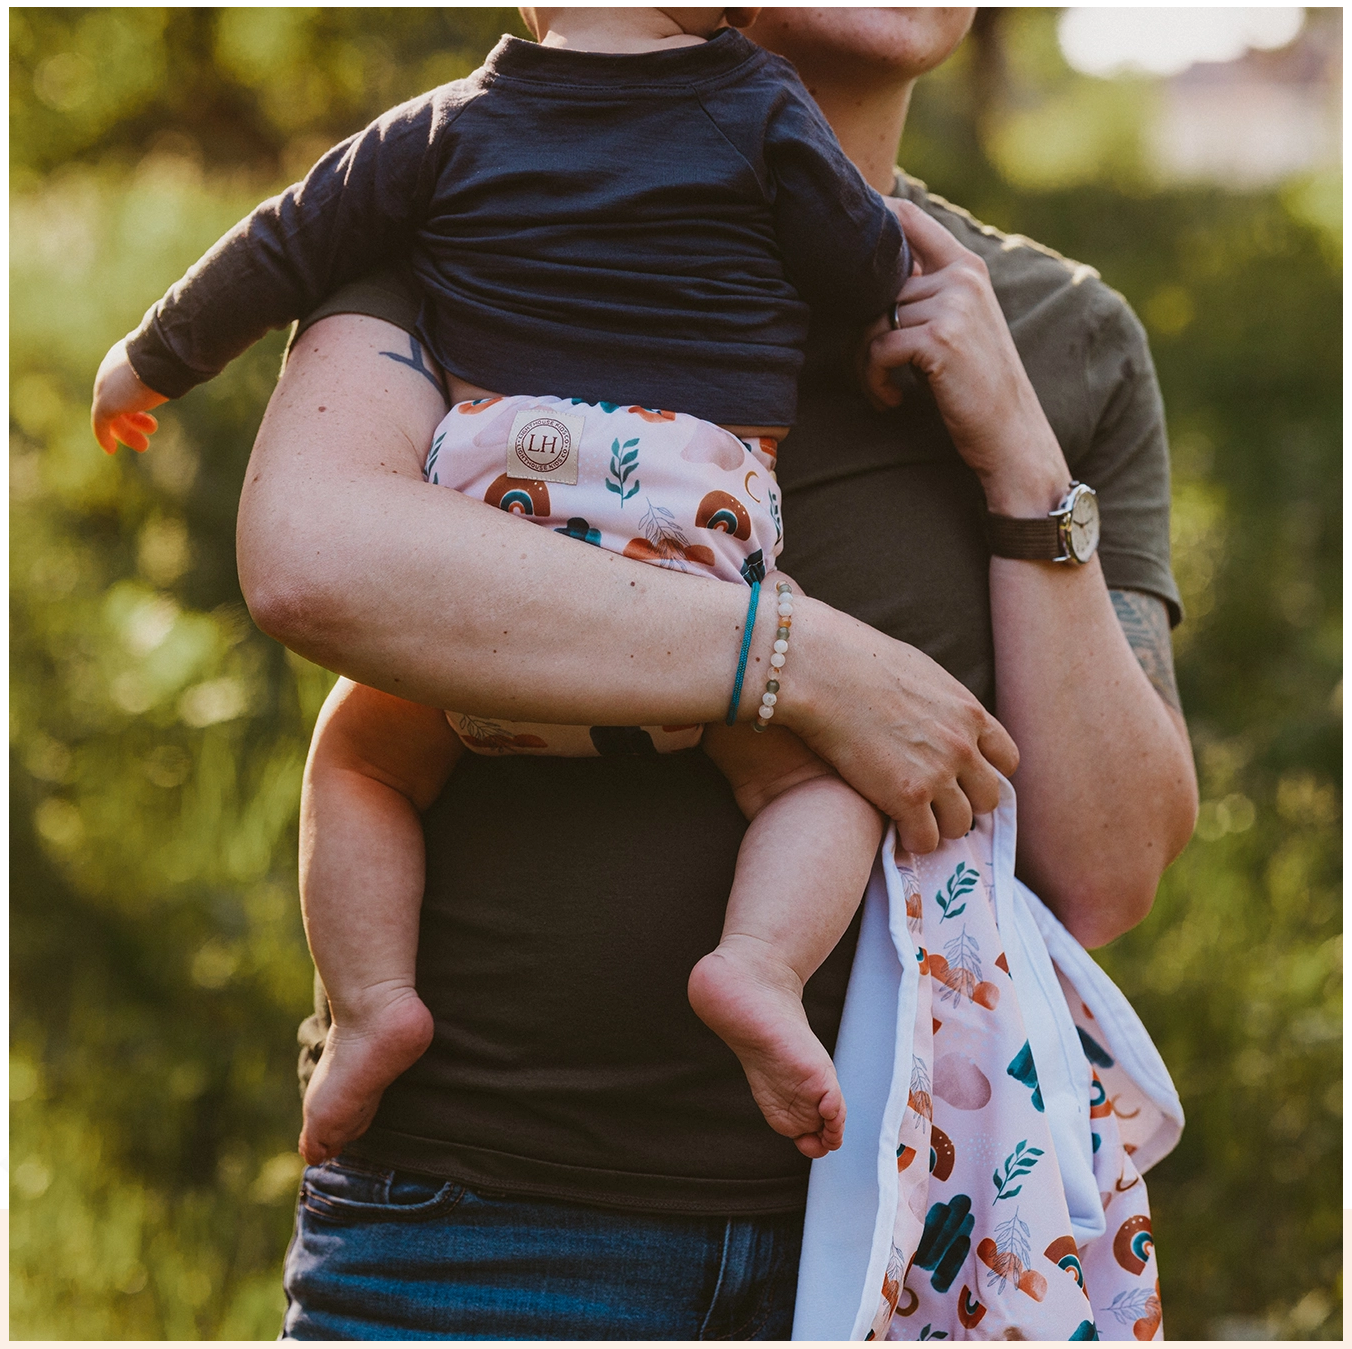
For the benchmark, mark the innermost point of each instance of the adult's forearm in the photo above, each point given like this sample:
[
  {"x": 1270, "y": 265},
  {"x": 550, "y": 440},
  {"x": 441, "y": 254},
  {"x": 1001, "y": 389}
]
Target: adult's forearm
[
  {"x": 349, "y": 558},
  {"x": 1107, "y": 795},
  {"x": 1106, "y": 787}
]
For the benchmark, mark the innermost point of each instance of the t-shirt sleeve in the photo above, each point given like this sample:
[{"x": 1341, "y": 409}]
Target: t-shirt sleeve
[
  {"x": 355, "y": 209},
  {"x": 1127, "y": 459},
  {"x": 843, "y": 250}
]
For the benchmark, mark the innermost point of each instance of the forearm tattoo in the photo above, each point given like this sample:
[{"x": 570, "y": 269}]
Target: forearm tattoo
[
  {"x": 414, "y": 360},
  {"x": 1145, "y": 620}
]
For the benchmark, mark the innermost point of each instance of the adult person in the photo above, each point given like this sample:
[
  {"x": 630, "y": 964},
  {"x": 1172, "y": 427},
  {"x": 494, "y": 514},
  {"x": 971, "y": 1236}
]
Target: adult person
[{"x": 576, "y": 1157}]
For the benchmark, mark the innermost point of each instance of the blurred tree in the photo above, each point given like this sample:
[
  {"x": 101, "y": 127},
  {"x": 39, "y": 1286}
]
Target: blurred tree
[
  {"x": 158, "y": 967},
  {"x": 267, "y": 88}
]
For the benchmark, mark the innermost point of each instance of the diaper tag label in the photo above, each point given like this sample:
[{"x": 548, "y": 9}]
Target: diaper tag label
[{"x": 544, "y": 445}]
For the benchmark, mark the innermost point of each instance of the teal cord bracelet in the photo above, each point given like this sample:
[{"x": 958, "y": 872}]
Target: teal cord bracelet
[{"x": 746, "y": 651}]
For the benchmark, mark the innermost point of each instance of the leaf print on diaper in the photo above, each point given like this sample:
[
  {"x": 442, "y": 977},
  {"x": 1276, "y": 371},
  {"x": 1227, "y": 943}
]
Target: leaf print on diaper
[
  {"x": 623, "y": 463},
  {"x": 1007, "y": 1258},
  {"x": 962, "y": 882},
  {"x": 1140, "y": 1308},
  {"x": 653, "y": 414},
  {"x": 959, "y": 970},
  {"x": 430, "y": 468},
  {"x": 491, "y": 735},
  {"x": 1017, "y": 1165},
  {"x": 919, "y": 1099},
  {"x": 664, "y": 542},
  {"x": 910, "y": 887}
]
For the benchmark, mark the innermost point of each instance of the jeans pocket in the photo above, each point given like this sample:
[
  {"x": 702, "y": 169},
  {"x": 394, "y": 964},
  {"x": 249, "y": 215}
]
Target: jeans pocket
[{"x": 349, "y": 1191}]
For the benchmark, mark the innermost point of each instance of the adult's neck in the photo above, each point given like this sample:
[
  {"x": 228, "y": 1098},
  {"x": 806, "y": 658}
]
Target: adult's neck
[{"x": 868, "y": 122}]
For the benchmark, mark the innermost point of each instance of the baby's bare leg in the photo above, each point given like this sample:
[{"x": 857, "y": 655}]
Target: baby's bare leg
[
  {"x": 801, "y": 871},
  {"x": 375, "y": 761}
]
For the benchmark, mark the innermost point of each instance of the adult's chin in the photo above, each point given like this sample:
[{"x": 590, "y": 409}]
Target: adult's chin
[{"x": 864, "y": 43}]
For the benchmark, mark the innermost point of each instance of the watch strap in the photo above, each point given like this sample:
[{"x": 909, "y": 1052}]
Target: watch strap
[{"x": 1036, "y": 540}]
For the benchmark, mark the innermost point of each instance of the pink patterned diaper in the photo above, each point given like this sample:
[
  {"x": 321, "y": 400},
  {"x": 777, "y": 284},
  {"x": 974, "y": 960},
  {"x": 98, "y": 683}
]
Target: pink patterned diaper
[{"x": 659, "y": 487}]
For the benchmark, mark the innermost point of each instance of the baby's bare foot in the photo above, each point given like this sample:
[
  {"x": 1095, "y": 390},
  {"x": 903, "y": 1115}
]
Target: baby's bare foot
[
  {"x": 362, "y": 1056},
  {"x": 753, "y": 1001}
]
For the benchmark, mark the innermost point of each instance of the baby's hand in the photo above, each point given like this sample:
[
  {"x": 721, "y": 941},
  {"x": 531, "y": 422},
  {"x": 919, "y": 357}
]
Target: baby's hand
[{"x": 122, "y": 403}]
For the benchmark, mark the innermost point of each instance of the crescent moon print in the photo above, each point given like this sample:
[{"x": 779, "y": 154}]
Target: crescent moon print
[{"x": 746, "y": 484}]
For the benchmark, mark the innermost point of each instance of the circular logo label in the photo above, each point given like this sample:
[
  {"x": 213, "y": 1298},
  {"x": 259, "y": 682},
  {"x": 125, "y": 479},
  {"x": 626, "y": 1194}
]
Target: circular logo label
[{"x": 543, "y": 444}]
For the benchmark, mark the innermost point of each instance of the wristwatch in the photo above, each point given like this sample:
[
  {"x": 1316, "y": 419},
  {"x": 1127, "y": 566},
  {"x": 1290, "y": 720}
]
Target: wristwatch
[{"x": 1070, "y": 533}]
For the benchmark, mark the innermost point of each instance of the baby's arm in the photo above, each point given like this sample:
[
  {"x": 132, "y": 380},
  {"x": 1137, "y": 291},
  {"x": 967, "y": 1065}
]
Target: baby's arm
[
  {"x": 356, "y": 209},
  {"x": 375, "y": 762}
]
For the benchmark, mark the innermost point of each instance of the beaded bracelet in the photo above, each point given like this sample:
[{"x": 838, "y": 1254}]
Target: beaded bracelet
[{"x": 784, "y": 596}]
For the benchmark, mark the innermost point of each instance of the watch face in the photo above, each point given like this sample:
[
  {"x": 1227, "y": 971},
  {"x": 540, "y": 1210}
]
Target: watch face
[{"x": 1082, "y": 532}]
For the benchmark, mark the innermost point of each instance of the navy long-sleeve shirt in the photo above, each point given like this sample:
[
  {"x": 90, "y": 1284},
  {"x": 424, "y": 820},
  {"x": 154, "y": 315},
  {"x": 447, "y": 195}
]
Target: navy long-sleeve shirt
[{"x": 646, "y": 228}]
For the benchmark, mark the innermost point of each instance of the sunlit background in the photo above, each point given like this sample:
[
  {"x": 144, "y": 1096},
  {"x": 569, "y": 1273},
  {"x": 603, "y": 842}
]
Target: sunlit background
[{"x": 158, "y": 967}]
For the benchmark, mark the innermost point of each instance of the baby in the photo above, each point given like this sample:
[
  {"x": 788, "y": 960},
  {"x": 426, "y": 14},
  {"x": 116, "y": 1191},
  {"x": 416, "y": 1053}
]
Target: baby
[{"x": 631, "y": 215}]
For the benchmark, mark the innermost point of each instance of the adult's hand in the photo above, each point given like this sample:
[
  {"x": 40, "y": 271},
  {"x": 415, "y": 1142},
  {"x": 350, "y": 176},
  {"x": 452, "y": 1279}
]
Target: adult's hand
[
  {"x": 951, "y": 327},
  {"x": 897, "y": 726}
]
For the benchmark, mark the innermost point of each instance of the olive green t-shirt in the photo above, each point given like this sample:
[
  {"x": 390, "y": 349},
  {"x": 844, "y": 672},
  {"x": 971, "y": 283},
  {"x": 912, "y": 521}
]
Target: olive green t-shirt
[{"x": 567, "y": 1062}]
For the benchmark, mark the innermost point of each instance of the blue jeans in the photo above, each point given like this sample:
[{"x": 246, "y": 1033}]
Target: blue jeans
[{"x": 395, "y": 1255}]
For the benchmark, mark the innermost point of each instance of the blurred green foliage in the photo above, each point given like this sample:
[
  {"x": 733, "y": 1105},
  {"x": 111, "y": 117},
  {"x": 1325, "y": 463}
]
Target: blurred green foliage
[{"x": 158, "y": 966}]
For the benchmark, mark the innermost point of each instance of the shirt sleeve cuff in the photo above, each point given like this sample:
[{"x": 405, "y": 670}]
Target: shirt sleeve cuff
[{"x": 156, "y": 366}]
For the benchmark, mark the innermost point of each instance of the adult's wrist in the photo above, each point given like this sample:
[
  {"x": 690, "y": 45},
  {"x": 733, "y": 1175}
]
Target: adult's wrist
[
  {"x": 1030, "y": 483},
  {"x": 807, "y": 664},
  {"x": 1019, "y": 461}
]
